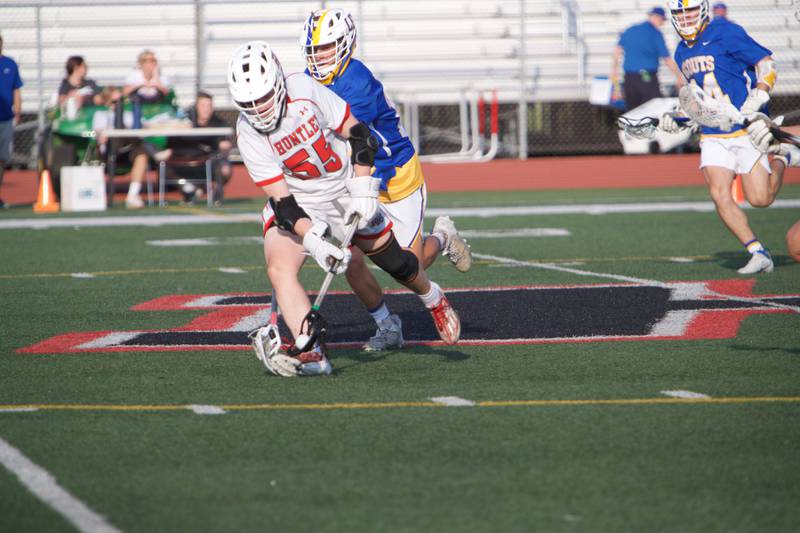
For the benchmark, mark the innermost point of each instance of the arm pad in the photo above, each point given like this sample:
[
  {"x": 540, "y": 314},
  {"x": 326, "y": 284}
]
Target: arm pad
[
  {"x": 766, "y": 72},
  {"x": 363, "y": 144},
  {"x": 287, "y": 212}
]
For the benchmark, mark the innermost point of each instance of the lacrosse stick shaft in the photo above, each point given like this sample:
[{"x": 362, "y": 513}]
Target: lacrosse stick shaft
[{"x": 326, "y": 283}]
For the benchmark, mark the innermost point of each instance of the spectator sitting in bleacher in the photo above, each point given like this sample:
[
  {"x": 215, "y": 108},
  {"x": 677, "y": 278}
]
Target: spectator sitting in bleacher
[
  {"x": 146, "y": 81},
  {"x": 202, "y": 115},
  {"x": 643, "y": 46},
  {"x": 720, "y": 10},
  {"x": 76, "y": 86}
]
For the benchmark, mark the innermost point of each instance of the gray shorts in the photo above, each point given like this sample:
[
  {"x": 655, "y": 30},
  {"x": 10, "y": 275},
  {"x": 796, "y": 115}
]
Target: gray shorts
[{"x": 6, "y": 139}]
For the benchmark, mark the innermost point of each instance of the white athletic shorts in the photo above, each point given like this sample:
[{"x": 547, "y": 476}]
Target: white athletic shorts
[
  {"x": 735, "y": 153},
  {"x": 407, "y": 215},
  {"x": 332, "y": 212}
]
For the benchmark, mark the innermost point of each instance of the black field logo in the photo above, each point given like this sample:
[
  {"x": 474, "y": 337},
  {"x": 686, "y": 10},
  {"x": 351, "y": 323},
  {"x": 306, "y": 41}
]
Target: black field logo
[{"x": 489, "y": 316}]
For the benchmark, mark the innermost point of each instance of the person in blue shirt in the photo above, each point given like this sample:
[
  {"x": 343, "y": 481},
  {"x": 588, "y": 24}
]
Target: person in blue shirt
[
  {"x": 10, "y": 108},
  {"x": 328, "y": 42},
  {"x": 642, "y": 46},
  {"x": 721, "y": 58}
]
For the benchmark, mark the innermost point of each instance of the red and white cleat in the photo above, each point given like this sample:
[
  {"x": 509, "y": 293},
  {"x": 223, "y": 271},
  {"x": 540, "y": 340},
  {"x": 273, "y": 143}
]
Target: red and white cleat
[
  {"x": 314, "y": 363},
  {"x": 446, "y": 320}
]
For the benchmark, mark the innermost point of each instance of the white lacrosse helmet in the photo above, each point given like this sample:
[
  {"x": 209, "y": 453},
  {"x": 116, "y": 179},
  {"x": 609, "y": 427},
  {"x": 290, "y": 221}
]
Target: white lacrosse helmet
[
  {"x": 257, "y": 85},
  {"x": 689, "y": 17},
  {"x": 328, "y": 41}
]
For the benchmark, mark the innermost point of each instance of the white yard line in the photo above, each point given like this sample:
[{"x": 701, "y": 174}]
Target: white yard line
[
  {"x": 480, "y": 212},
  {"x": 19, "y": 410},
  {"x": 231, "y": 270},
  {"x": 687, "y": 394},
  {"x": 206, "y": 409},
  {"x": 629, "y": 279},
  {"x": 452, "y": 401},
  {"x": 44, "y": 486},
  {"x": 82, "y": 275}
]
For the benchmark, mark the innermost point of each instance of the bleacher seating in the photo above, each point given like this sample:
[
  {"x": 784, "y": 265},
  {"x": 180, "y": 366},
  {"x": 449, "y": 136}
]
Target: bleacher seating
[{"x": 431, "y": 50}]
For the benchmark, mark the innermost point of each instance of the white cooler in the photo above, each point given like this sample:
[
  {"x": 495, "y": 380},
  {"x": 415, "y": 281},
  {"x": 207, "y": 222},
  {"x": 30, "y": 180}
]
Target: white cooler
[{"x": 83, "y": 188}]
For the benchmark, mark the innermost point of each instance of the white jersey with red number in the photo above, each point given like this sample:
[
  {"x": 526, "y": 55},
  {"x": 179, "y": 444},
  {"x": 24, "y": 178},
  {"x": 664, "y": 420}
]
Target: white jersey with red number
[{"x": 304, "y": 149}]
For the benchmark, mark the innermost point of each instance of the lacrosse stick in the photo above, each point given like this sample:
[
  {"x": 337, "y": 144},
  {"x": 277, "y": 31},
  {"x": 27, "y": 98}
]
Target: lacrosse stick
[
  {"x": 314, "y": 327},
  {"x": 266, "y": 342},
  {"x": 645, "y": 127},
  {"x": 717, "y": 113}
]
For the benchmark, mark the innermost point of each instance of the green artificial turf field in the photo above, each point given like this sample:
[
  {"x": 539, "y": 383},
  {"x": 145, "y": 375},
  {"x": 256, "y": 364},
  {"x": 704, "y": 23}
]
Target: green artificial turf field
[{"x": 570, "y": 424}]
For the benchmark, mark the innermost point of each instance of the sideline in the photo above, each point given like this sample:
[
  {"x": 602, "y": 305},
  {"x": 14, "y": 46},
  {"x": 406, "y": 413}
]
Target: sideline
[
  {"x": 480, "y": 212},
  {"x": 45, "y": 487}
]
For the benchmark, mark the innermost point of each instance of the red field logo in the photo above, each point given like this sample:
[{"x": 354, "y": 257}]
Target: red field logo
[{"x": 490, "y": 316}]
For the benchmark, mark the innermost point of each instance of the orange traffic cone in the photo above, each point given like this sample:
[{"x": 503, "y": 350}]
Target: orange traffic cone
[
  {"x": 736, "y": 190},
  {"x": 47, "y": 201}
]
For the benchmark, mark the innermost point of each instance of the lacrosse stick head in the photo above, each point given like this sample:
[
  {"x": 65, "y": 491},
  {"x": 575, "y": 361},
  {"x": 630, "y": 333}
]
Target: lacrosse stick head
[
  {"x": 266, "y": 342},
  {"x": 638, "y": 128},
  {"x": 312, "y": 331},
  {"x": 706, "y": 110}
]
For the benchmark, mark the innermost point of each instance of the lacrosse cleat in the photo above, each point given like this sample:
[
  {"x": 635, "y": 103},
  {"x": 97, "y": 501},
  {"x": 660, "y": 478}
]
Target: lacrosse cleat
[
  {"x": 389, "y": 336},
  {"x": 789, "y": 154},
  {"x": 446, "y": 320},
  {"x": 314, "y": 363},
  {"x": 456, "y": 249},
  {"x": 760, "y": 261}
]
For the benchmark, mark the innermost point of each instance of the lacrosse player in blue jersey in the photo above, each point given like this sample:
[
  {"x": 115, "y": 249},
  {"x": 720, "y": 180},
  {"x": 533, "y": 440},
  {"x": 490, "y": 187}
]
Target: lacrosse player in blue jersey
[
  {"x": 722, "y": 59},
  {"x": 328, "y": 41}
]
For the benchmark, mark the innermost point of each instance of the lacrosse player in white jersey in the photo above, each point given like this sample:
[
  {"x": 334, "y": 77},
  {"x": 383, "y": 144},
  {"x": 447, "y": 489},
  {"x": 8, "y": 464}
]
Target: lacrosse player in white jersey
[{"x": 293, "y": 135}]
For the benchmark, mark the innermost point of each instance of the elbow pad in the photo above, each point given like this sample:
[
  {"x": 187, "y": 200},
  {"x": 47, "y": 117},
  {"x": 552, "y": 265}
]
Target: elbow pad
[
  {"x": 363, "y": 144},
  {"x": 287, "y": 212},
  {"x": 766, "y": 72}
]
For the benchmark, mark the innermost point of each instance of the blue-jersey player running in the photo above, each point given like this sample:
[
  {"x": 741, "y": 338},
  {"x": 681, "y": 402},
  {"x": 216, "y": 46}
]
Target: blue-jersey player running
[
  {"x": 728, "y": 64},
  {"x": 328, "y": 42}
]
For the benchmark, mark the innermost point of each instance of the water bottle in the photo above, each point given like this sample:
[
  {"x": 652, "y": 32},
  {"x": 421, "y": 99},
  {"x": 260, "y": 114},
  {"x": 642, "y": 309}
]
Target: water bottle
[{"x": 137, "y": 112}]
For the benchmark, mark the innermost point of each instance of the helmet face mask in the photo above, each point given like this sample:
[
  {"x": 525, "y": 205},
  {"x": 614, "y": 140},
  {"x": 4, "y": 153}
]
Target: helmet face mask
[
  {"x": 328, "y": 41},
  {"x": 257, "y": 85},
  {"x": 689, "y": 18}
]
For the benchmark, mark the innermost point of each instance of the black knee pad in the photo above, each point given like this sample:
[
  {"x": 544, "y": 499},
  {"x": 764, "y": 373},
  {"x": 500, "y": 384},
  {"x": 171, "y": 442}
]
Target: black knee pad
[{"x": 401, "y": 264}]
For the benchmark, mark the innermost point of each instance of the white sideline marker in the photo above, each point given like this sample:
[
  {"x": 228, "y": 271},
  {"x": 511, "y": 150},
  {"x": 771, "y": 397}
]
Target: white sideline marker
[
  {"x": 452, "y": 401},
  {"x": 19, "y": 410},
  {"x": 685, "y": 394},
  {"x": 232, "y": 270},
  {"x": 681, "y": 259},
  {"x": 44, "y": 486},
  {"x": 82, "y": 275},
  {"x": 207, "y": 409}
]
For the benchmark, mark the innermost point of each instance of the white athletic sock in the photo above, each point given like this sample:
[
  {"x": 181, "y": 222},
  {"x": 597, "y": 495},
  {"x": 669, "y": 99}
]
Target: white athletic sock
[
  {"x": 380, "y": 313},
  {"x": 754, "y": 246},
  {"x": 433, "y": 296},
  {"x": 442, "y": 238},
  {"x": 134, "y": 189}
]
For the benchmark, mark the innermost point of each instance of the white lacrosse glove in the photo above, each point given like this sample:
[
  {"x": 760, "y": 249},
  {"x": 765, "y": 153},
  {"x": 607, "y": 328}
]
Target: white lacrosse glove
[
  {"x": 668, "y": 123},
  {"x": 364, "y": 199},
  {"x": 325, "y": 253},
  {"x": 266, "y": 343},
  {"x": 760, "y": 134},
  {"x": 755, "y": 100}
]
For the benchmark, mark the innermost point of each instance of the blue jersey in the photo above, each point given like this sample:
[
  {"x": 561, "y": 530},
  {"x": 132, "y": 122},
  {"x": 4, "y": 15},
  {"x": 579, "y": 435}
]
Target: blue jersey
[
  {"x": 364, "y": 93},
  {"x": 9, "y": 82},
  {"x": 644, "y": 46},
  {"x": 722, "y": 62}
]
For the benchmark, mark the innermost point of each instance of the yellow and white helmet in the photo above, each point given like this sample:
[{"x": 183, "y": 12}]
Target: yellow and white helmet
[
  {"x": 257, "y": 85},
  {"x": 328, "y": 42},
  {"x": 689, "y": 17}
]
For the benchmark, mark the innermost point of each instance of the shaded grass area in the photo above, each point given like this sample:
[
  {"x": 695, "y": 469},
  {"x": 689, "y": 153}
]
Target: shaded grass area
[{"x": 670, "y": 467}]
